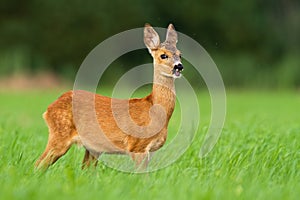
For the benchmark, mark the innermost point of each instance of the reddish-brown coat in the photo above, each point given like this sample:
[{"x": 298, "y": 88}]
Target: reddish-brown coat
[{"x": 68, "y": 117}]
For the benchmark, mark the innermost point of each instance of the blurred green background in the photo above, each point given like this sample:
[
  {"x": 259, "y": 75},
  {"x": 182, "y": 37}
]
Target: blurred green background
[{"x": 254, "y": 43}]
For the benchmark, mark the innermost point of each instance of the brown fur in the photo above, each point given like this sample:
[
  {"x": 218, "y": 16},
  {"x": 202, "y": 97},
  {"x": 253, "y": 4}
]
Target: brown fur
[{"x": 63, "y": 131}]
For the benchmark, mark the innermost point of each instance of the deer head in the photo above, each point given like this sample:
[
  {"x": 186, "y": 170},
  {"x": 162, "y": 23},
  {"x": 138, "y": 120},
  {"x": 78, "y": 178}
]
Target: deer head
[{"x": 167, "y": 58}]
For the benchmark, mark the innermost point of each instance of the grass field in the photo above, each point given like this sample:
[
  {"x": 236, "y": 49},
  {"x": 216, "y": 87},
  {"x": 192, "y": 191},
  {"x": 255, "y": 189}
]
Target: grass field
[{"x": 257, "y": 156}]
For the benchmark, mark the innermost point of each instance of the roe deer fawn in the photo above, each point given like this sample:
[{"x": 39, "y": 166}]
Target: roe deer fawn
[{"x": 63, "y": 131}]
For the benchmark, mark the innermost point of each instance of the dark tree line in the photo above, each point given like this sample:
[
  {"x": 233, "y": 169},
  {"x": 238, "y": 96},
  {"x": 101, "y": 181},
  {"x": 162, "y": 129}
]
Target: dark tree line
[{"x": 252, "y": 41}]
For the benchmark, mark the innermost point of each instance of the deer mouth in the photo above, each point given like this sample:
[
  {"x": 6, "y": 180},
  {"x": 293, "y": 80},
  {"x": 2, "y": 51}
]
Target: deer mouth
[{"x": 176, "y": 72}]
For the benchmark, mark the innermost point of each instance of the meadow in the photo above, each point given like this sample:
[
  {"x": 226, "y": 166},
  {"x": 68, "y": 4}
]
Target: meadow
[{"x": 256, "y": 157}]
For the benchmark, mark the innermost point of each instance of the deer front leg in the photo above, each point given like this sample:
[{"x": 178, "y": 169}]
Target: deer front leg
[{"x": 141, "y": 160}]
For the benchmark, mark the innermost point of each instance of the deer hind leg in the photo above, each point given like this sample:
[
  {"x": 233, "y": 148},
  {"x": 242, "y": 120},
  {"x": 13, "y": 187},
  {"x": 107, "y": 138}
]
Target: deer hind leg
[
  {"x": 54, "y": 150},
  {"x": 61, "y": 134},
  {"x": 89, "y": 159}
]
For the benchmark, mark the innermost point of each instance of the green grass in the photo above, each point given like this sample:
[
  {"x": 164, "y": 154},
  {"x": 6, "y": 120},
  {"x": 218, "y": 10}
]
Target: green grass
[{"x": 257, "y": 156}]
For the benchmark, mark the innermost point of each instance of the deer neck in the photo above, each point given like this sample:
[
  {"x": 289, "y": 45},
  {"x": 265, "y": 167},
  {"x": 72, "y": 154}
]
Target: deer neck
[{"x": 163, "y": 91}]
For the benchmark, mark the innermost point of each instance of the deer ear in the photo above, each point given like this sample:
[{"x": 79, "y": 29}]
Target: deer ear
[
  {"x": 171, "y": 35},
  {"x": 151, "y": 38}
]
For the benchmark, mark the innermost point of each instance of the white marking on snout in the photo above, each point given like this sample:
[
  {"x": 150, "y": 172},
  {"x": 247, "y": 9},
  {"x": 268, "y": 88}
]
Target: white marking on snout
[{"x": 177, "y": 63}]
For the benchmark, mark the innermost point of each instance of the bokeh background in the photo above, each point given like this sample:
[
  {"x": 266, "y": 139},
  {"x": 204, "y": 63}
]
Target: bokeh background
[{"x": 254, "y": 43}]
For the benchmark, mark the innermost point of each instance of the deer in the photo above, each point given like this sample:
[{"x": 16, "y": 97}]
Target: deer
[{"x": 118, "y": 119}]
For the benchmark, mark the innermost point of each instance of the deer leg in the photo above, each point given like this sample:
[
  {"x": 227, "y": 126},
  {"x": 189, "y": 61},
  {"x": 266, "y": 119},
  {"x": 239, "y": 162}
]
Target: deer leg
[
  {"x": 54, "y": 150},
  {"x": 141, "y": 160},
  {"x": 89, "y": 159},
  {"x": 61, "y": 135}
]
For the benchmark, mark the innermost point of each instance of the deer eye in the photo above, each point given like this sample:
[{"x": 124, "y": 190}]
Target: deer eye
[{"x": 163, "y": 56}]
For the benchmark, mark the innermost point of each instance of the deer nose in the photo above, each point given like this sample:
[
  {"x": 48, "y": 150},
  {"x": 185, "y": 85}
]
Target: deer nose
[{"x": 179, "y": 67}]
